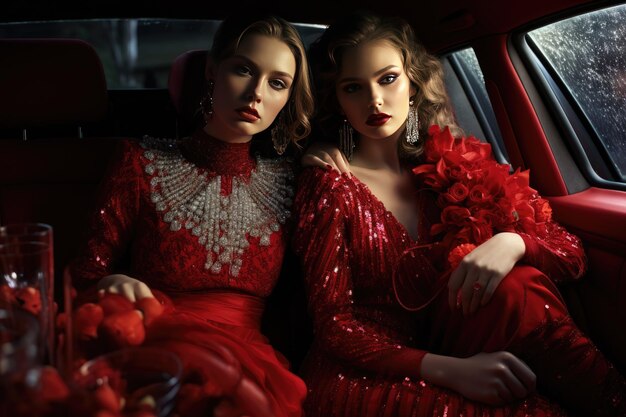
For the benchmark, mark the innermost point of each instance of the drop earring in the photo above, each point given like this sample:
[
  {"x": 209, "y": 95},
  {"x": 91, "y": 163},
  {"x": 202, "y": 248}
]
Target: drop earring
[
  {"x": 280, "y": 134},
  {"x": 206, "y": 103},
  {"x": 412, "y": 124},
  {"x": 346, "y": 140}
]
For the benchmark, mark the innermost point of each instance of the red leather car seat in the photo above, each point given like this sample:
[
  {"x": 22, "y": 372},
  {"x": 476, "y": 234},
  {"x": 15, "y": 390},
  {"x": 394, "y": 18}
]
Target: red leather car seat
[
  {"x": 187, "y": 85},
  {"x": 51, "y": 90}
]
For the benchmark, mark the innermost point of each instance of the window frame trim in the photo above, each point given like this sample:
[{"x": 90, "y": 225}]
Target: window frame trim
[
  {"x": 532, "y": 62},
  {"x": 470, "y": 92}
]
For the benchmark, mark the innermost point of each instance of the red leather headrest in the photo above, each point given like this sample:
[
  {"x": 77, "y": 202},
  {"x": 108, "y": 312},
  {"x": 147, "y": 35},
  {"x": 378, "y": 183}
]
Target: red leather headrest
[
  {"x": 47, "y": 82},
  {"x": 186, "y": 83}
]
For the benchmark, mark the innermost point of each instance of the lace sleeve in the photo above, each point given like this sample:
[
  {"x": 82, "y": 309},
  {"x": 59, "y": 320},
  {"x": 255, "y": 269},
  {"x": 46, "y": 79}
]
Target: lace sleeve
[{"x": 111, "y": 224}]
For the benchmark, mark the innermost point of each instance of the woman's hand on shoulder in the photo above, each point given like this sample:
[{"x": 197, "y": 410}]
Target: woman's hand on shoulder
[
  {"x": 496, "y": 378},
  {"x": 323, "y": 155},
  {"x": 480, "y": 272},
  {"x": 131, "y": 288}
]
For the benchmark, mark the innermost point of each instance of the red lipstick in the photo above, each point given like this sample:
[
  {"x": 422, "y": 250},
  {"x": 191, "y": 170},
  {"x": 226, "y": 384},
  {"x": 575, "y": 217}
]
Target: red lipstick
[
  {"x": 377, "y": 119},
  {"x": 248, "y": 114}
]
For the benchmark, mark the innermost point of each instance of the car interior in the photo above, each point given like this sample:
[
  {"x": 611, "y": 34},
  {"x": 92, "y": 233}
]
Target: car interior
[{"x": 526, "y": 76}]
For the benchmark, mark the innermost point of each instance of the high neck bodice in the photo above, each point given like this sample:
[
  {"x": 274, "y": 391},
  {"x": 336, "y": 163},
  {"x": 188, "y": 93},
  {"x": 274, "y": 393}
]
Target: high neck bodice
[{"x": 222, "y": 158}]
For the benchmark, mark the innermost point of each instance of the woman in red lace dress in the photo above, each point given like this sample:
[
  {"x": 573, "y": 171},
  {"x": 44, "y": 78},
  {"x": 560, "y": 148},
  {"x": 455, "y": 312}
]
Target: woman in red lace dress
[
  {"x": 479, "y": 348},
  {"x": 203, "y": 220}
]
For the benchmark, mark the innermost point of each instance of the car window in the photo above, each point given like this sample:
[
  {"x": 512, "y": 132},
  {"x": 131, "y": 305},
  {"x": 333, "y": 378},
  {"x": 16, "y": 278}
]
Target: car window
[
  {"x": 586, "y": 56},
  {"x": 466, "y": 86},
  {"x": 135, "y": 53}
]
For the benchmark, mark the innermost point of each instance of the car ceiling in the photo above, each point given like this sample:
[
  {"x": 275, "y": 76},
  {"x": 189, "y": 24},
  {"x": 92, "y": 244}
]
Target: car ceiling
[{"x": 441, "y": 24}]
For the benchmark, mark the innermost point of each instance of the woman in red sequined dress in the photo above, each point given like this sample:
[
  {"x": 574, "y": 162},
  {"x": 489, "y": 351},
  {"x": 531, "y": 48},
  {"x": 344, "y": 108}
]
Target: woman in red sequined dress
[
  {"x": 203, "y": 220},
  {"x": 495, "y": 331}
]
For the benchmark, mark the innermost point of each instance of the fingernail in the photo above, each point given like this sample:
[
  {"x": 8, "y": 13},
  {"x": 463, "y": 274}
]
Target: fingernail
[{"x": 329, "y": 167}]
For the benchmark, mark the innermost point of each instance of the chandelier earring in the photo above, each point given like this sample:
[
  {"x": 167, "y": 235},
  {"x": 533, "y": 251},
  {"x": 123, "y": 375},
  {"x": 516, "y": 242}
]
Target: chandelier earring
[
  {"x": 280, "y": 134},
  {"x": 412, "y": 124},
  {"x": 346, "y": 140},
  {"x": 206, "y": 103}
]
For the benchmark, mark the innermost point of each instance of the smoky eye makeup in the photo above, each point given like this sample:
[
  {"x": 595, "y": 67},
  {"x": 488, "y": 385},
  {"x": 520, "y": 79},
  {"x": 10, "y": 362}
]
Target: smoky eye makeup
[
  {"x": 242, "y": 70},
  {"x": 388, "y": 78},
  {"x": 278, "y": 84}
]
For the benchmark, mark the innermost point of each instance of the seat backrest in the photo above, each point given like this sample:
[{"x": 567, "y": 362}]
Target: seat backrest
[
  {"x": 187, "y": 86},
  {"x": 53, "y": 178},
  {"x": 51, "y": 88},
  {"x": 47, "y": 82}
]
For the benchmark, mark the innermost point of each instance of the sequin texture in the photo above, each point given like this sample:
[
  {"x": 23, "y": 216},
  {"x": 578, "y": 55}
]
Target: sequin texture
[{"x": 349, "y": 244}]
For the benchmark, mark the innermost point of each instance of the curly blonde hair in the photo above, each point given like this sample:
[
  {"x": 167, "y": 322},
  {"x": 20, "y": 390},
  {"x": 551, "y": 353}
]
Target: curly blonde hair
[
  {"x": 299, "y": 109},
  {"x": 423, "y": 69}
]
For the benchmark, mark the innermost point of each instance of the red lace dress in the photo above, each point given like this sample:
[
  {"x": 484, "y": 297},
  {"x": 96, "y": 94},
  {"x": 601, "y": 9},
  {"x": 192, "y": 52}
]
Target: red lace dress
[
  {"x": 366, "y": 356},
  {"x": 201, "y": 221}
]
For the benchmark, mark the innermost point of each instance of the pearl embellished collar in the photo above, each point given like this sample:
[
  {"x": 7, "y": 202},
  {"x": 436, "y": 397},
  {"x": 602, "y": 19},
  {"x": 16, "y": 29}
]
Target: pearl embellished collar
[{"x": 190, "y": 197}]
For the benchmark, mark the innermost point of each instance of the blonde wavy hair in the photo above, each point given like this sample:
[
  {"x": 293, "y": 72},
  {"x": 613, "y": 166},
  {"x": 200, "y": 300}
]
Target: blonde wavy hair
[
  {"x": 423, "y": 69},
  {"x": 299, "y": 109}
]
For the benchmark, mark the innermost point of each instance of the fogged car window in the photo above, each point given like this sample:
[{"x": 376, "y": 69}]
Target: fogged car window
[
  {"x": 466, "y": 63},
  {"x": 135, "y": 53},
  {"x": 588, "y": 53},
  {"x": 469, "y": 57}
]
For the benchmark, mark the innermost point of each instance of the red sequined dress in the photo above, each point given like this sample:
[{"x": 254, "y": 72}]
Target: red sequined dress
[
  {"x": 367, "y": 351},
  {"x": 202, "y": 221}
]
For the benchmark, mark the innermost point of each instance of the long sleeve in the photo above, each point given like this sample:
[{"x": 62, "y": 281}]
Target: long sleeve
[
  {"x": 342, "y": 325},
  {"x": 111, "y": 224},
  {"x": 550, "y": 248}
]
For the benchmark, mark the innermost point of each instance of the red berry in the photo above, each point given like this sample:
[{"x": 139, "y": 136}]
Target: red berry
[
  {"x": 122, "y": 329},
  {"x": 29, "y": 299},
  {"x": 114, "y": 303},
  {"x": 87, "y": 318},
  {"x": 150, "y": 307}
]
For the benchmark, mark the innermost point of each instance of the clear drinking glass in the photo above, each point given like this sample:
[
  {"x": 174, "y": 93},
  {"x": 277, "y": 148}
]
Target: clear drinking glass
[
  {"x": 19, "y": 360},
  {"x": 43, "y": 233},
  {"x": 24, "y": 279}
]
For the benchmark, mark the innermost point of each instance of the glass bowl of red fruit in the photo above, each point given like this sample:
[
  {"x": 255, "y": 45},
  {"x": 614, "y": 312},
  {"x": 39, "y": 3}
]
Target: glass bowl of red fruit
[{"x": 133, "y": 381}]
